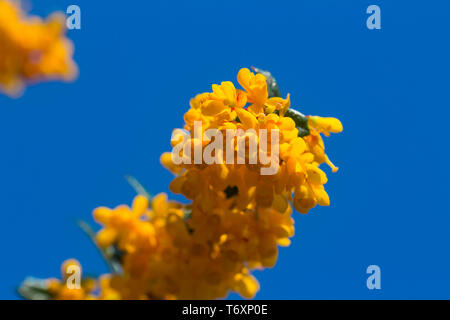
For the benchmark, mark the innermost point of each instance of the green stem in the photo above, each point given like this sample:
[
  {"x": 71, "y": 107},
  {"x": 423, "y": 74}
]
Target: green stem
[{"x": 113, "y": 268}]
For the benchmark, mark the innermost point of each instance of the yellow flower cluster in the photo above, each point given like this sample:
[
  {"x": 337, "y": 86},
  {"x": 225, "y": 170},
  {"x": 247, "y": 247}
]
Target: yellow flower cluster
[
  {"x": 299, "y": 157},
  {"x": 237, "y": 217},
  {"x": 204, "y": 256},
  {"x": 32, "y": 49},
  {"x": 166, "y": 256}
]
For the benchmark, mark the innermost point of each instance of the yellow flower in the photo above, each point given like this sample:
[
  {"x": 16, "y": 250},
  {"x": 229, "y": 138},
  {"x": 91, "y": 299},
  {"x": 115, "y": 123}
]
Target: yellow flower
[
  {"x": 32, "y": 49},
  {"x": 325, "y": 125},
  {"x": 279, "y": 104},
  {"x": 314, "y": 141},
  {"x": 256, "y": 88},
  {"x": 228, "y": 95},
  {"x": 246, "y": 285},
  {"x": 255, "y": 85}
]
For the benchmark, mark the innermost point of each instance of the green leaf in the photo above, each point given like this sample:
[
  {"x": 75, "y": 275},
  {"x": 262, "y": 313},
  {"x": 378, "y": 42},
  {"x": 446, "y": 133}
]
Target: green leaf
[
  {"x": 301, "y": 121},
  {"x": 137, "y": 186},
  {"x": 34, "y": 289},
  {"x": 110, "y": 256}
]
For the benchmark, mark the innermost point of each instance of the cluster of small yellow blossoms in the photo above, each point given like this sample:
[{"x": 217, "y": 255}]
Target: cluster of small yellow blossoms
[
  {"x": 170, "y": 256},
  {"x": 32, "y": 49},
  {"x": 299, "y": 157},
  {"x": 166, "y": 256},
  {"x": 237, "y": 217}
]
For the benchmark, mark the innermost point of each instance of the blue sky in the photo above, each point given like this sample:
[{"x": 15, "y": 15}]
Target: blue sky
[{"x": 66, "y": 147}]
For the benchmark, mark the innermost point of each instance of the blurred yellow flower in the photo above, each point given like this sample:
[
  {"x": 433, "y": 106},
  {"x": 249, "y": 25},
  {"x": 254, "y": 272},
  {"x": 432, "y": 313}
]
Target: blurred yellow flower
[{"x": 32, "y": 49}]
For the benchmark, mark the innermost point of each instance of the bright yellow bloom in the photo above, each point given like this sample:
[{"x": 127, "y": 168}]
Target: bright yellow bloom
[
  {"x": 255, "y": 85},
  {"x": 314, "y": 141},
  {"x": 325, "y": 125},
  {"x": 32, "y": 49},
  {"x": 228, "y": 95},
  {"x": 124, "y": 217},
  {"x": 299, "y": 160},
  {"x": 258, "y": 95},
  {"x": 214, "y": 246}
]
